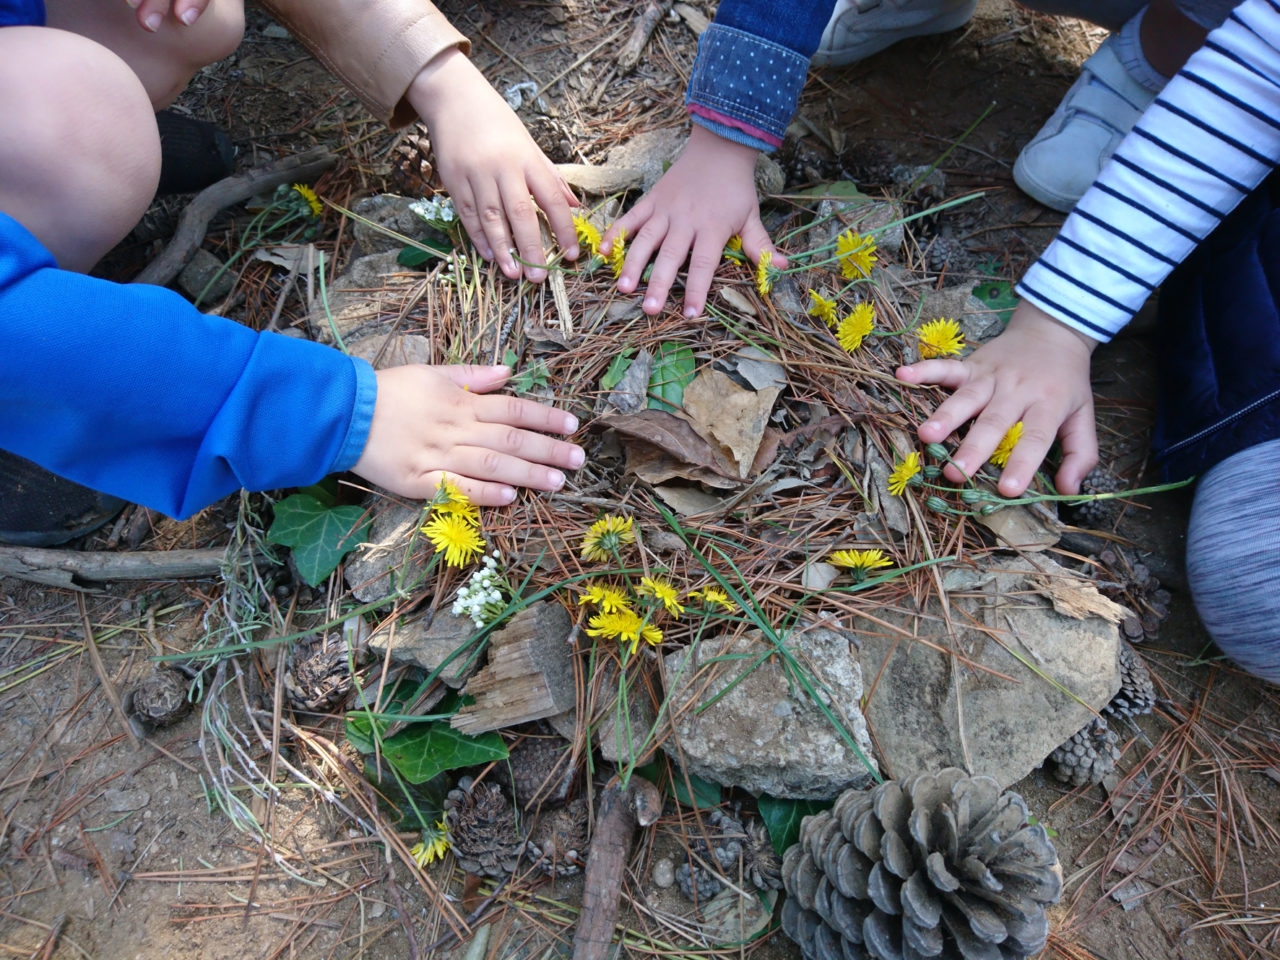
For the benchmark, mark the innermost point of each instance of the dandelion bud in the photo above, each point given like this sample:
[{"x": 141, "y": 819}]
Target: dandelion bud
[
  {"x": 988, "y": 509},
  {"x": 969, "y": 495},
  {"x": 931, "y": 472},
  {"x": 915, "y": 480},
  {"x": 937, "y": 451},
  {"x": 937, "y": 504}
]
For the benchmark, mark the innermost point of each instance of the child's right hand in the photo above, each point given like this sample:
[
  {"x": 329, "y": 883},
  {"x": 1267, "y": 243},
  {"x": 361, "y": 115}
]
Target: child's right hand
[
  {"x": 151, "y": 13},
  {"x": 706, "y": 197},
  {"x": 430, "y": 421}
]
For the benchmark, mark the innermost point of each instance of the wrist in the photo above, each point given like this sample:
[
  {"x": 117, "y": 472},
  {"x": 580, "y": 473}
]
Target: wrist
[
  {"x": 720, "y": 153},
  {"x": 440, "y": 78},
  {"x": 1030, "y": 318}
]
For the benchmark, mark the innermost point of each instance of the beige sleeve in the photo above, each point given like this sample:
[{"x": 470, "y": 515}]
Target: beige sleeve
[{"x": 376, "y": 47}]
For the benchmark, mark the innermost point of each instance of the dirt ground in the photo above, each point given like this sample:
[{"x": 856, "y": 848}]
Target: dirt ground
[{"x": 110, "y": 849}]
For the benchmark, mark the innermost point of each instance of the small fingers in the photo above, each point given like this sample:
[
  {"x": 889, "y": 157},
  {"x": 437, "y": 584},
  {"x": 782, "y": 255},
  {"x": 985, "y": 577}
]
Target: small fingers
[
  {"x": 1039, "y": 427},
  {"x": 640, "y": 249},
  {"x": 983, "y": 438},
  {"x": 189, "y": 11},
  {"x": 1079, "y": 436},
  {"x": 492, "y": 466},
  {"x": 755, "y": 240},
  {"x": 475, "y": 378},
  {"x": 519, "y": 212},
  {"x": 703, "y": 261},
  {"x": 556, "y": 199},
  {"x": 525, "y": 414},
  {"x": 469, "y": 214},
  {"x": 480, "y": 492},
  {"x": 150, "y": 13},
  {"x": 675, "y": 248}
]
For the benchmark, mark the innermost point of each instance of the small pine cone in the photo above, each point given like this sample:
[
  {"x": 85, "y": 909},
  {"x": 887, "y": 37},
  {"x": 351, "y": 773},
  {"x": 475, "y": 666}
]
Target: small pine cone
[
  {"x": 537, "y": 772},
  {"x": 941, "y": 865},
  {"x": 1129, "y": 582},
  {"x": 318, "y": 677},
  {"x": 690, "y": 876},
  {"x": 410, "y": 167},
  {"x": 482, "y": 829},
  {"x": 558, "y": 842},
  {"x": 1090, "y": 754},
  {"x": 737, "y": 851},
  {"x": 1098, "y": 514},
  {"x": 1137, "y": 693}
]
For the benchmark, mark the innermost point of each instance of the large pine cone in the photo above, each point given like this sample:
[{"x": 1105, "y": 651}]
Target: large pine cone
[
  {"x": 1137, "y": 693},
  {"x": 318, "y": 677},
  {"x": 735, "y": 851},
  {"x": 482, "y": 828},
  {"x": 941, "y": 865},
  {"x": 1090, "y": 754},
  {"x": 411, "y": 163}
]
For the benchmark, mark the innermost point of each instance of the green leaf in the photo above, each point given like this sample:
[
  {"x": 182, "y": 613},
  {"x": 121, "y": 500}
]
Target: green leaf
[
  {"x": 617, "y": 370},
  {"x": 782, "y": 817},
  {"x": 510, "y": 358},
  {"x": 997, "y": 295},
  {"x": 705, "y": 793},
  {"x": 326, "y": 491},
  {"x": 673, "y": 370},
  {"x": 534, "y": 375},
  {"x": 319, "y": 535},
  {"x": 423, "y": 751},
  {"x": 417, "y": 255}
]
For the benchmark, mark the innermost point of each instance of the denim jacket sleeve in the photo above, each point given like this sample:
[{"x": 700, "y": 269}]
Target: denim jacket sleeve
[{"x": 751, "y": 66}]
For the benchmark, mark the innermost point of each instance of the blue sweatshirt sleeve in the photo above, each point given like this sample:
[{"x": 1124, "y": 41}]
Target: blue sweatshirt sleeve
[
  {"x": 130, "y": 390},
  {"x": 751, "y": 67}
]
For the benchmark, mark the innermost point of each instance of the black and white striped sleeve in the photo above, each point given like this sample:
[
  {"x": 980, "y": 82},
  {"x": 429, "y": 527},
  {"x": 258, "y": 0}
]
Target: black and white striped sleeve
[{"x": 1211, "y": 136}]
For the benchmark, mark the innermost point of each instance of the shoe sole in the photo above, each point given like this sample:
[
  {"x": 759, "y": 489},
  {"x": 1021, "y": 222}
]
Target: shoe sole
[
  {"x": 873, "y": 45},
  {"x": 1038, "y": 191}
]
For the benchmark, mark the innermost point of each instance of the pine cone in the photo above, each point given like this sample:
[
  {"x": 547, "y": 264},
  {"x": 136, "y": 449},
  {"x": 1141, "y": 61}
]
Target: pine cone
[
  {"x": 318, "y": 677},
  {"x": 1098, "y": 514},
  {"x": 941, "y": 865},
  {"x": 1137, "y": 693},
  {"x": 1127, "y": 581},
  {"x": 537, "y": 772},
  {"x": 482, "y": 829},
  {"x": 1090, "y": 754},
  {"x": 736, "y": 850},
  {"x": 410, "y": 166},
  {"x": 558, "y": 843}
]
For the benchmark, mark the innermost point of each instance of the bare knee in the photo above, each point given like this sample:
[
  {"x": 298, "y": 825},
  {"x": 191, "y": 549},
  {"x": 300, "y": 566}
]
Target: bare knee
[{"x": 81, "y": 157}]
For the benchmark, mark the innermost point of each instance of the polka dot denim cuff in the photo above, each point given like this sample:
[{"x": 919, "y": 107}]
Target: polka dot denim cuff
[{"x": 747, "y": 79}]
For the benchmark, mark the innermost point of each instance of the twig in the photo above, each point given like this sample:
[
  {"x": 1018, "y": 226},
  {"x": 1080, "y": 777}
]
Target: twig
[
  {"x": 95, "y": 658},
  {"x": 405, "y": 918},
  {"x": 194, "y": 221},
  {"x": 75, "y": 570},
  {"x": 641, "y": 31}
]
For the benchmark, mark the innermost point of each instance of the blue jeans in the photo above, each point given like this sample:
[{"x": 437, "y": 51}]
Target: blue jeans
[{"x": 1113, "y": 14}]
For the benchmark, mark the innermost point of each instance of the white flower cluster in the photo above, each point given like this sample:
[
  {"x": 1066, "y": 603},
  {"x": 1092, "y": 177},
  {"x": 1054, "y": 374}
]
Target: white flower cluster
[
  {"x": 481, "y": 597},
  {"x": 437, "y": 212}
]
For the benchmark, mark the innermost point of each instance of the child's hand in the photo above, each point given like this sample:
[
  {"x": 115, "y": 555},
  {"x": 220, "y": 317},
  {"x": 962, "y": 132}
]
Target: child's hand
[
  {"x": 1037, "y": 371},
  {"x": 429, "y": 421},
  {"x": 707, "y": 196},
  {"x": 490, "y": 165},
  {"x": 151, "y": 13}
]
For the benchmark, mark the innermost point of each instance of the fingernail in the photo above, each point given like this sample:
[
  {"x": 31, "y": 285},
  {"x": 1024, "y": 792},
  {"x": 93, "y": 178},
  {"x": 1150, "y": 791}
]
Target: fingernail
[
  {"x": 189, "y": 17},
  {"x": 507, "y": 495},
  {"x": 555, "y": 478},
  {"x": 153, "y": 22},
  {"x": 537, "y": 276},
  {"x": 577, "y": 458},
  {"x": 571, "y": 424},
  {"x": 960, "y": 465},
  {"x": 929, "y": 425},
  {"x": 503, "y": 369},
  {"x": 690, "y": 313},
  {"x": 650, "y": 305},
  {"x": 572, "y": 253}
]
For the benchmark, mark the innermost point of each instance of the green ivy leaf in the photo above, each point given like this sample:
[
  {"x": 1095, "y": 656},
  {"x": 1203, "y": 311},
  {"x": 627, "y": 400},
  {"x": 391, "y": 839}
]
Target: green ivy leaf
[
  {"x": 705, "y": 794},
  {"x": 319, "y": 535},
  {"x": 617, "y": 370},
  {"x": 425, "y": 750},
  {"x": 416, "y": 256},
  {"x": 782, "y": 817},
  {"x": 998, "y": 296},
  {"x": 673, "y": 370}
]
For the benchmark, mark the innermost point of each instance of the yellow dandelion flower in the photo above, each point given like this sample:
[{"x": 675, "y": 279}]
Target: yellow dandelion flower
[
  {"x": 940, "y": 338},
  {"x": 449, "y": 498},
  {"x": 713, "y": 596},
  {"x": 649, "y": 634},
  {"x": 454, "y": 535},
  {"x": 662, "y": 590},
  {"x": 857, "y": 254},
  {"x": 431, "y": 848},
  {"x": 608, "y": 599},
  {"x": 618, "y": 252},
  {"x": 856, "y": 326},
  {"x": 588, "y": 234},
  {"x": 859, "y": 562},
  {"x": 607, "y": 536},
  {"x": 822, "y": 308},
  {"x": 904, "y": 473},
  {"x": 766, "y": 273},
  {"x": 1005, "y": 447},
  {"x": 733, "y": 249},
  {"x": 309, "y": 195}
]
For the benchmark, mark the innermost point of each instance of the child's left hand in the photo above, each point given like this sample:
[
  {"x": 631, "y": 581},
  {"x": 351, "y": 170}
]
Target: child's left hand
[
  {"x": 490, "y": 165},
  {"x": 151, "y": 13},
  {"x": 1037, "y": 371}
]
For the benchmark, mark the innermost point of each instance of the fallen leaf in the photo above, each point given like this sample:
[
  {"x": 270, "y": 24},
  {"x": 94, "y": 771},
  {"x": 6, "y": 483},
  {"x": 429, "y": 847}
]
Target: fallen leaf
[
  {"x": 1019, "y": 527},
  {"x": 631, "y": 393},
  {"x": 738, "y": 300},
  {"x": 768, "y": 451},
  {"x": 688, "y": 501},
  {"x": 818, "y": 576},
  {"x": 759, "y": 369},
  {"x": 724, "y": 413},
  {"x": 661, "y": 446}
]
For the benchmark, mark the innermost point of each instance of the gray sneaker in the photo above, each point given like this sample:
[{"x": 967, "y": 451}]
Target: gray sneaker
[{"x": 859, "y": 28}]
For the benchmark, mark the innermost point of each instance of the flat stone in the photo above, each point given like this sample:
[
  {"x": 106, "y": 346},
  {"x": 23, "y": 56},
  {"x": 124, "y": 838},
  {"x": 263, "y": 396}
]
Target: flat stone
[
  {"x": 403, "y": 348},
  {"x": 385, "y": 212},
  {"x": 393, "y": 556},
  {"x": 206, "y": 270},
  {"x": 428, "y": 644},
  {"x": 600, "y": 181},
  {"x": 923, "y": 695},
  {"x": 765, "y": 734},
  {"x": 651, "y": 152}
]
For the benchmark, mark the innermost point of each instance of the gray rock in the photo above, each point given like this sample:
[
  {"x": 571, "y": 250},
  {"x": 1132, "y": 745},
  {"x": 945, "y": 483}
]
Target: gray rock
[
  {"x": 923, "y": 695},
  {"x": 769, "y": 176},
  {"x": 392, "y": 558},
  {"x": 864, "y": 214},
  {"x": 356, "y": 298},
  {"x": 600, "y": 181},
  {"x": 403, "y": 349},
  {"x": 385, "y": 212},
  {"x": 206, "y": 270},
  {"x": 650, "y": 152},
  {"x": 663, "y": 873},
  {"x": 429, "y": 644},
  {"x": 744, "y": 740}
]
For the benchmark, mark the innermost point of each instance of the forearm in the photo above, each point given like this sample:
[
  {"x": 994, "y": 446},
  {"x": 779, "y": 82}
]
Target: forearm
[{"x": 376, "y": 47}]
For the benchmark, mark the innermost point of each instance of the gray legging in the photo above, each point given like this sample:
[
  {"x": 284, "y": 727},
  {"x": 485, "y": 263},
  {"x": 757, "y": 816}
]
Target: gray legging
[
  {"x": 1233, "y": 556},
  {"x": 1113, "y": 14}
]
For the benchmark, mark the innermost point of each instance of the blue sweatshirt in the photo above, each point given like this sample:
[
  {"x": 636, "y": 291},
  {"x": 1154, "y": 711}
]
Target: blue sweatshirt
[{"x": 130, "y": 390}]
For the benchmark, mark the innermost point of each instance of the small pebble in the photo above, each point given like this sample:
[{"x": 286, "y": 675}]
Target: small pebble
[{"x": 663, "y": 873}]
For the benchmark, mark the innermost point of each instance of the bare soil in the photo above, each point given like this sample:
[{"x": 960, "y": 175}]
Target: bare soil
[{"x": 110, "y": 849}]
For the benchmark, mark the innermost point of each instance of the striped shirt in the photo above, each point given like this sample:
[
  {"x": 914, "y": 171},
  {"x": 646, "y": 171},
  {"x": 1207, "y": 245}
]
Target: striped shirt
[{"x": 1211, "y": 136}]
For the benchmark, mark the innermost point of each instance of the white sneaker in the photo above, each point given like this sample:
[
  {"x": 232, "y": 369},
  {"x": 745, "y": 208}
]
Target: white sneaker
[
  {"x": 859, "y": 28},
  {"x": 1061, "y": 161}
]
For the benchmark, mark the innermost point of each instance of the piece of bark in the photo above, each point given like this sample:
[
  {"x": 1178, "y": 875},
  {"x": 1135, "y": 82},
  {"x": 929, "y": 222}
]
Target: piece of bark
[
  {"x": 529, "y": 676},
  {"x": 85, "y": 570},
  {"x": 641, "y": 31},
  {"x": 619, "y": 812},
  {"x": 194, "y": 221}
]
